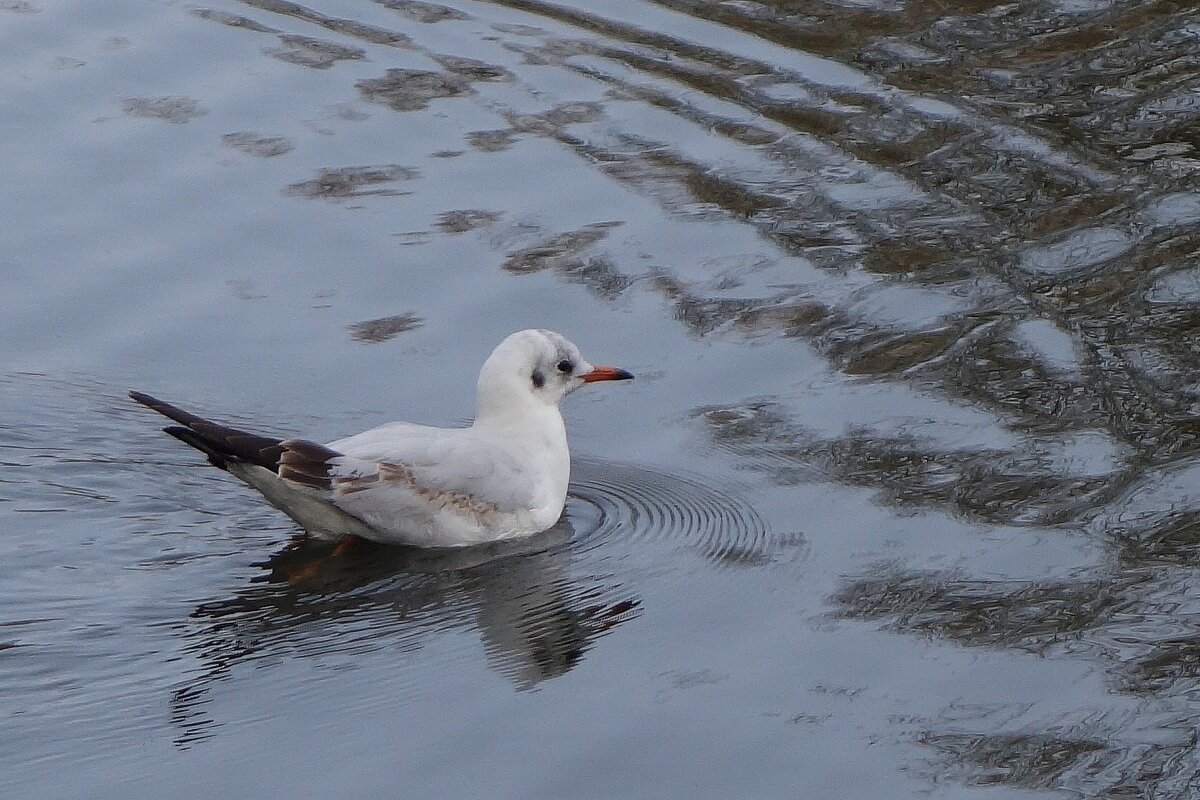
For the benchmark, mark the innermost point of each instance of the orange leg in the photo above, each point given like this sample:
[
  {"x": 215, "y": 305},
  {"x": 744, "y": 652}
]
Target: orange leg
[
  {"x": 348, "y": 542},
  {"x": 310, "y": 569}
]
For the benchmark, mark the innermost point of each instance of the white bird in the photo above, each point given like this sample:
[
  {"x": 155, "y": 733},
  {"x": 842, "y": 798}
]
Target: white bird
[{"x": 503, "y": 476}]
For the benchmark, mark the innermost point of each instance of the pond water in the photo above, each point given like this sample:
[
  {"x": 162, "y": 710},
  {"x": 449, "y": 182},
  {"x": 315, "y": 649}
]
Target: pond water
[{"x": 901, "y": 504}]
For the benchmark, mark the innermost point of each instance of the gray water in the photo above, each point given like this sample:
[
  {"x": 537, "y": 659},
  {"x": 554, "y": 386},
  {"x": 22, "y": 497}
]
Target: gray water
[{"x": 902, "y": 503}]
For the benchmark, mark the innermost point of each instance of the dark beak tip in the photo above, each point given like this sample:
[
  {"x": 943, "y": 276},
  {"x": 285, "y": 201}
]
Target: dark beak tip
[{"x": 608, "y": 374}]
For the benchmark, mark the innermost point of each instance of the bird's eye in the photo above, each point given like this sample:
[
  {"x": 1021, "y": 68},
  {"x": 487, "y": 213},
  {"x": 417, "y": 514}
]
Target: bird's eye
[{"x": 565, "y": 366}]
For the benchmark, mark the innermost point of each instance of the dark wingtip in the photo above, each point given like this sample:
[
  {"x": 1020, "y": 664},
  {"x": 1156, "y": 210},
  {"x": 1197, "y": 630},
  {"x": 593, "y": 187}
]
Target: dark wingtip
[
  {"x": 166, "y": 409},
  {"x": 151, "y": 402},
  {"x": 188, "y": 436}
]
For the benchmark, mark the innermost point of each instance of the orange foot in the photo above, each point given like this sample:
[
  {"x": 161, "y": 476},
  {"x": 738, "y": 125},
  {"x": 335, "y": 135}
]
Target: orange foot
[{"x": 307, "y": 570}]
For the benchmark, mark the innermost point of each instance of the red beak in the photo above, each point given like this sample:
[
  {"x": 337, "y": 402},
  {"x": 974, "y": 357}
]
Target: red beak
[{"x": 607, "y": 374}]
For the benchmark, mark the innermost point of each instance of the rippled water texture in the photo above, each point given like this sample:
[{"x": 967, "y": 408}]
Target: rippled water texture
[{"x": 902, "y": 504}]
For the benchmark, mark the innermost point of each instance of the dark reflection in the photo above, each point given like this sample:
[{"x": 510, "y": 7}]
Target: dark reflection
[
  {"x": 491, "y": 141},
  {"x": 316, "y": 53},
  {"x": 422, "y": 11},
  {"x": 412, "y": 89},
  {"x": 1030, "y": 616},
  {"x": 262, "y": 146},
  {"x": 384, "y": 328},
  {"x": 466, "y": 220},
  {"x": 535, "y": 615},
  {"x": 347, "y": 182},
  {"x": 568, "y": 254},
  {"x": 560, "y": 251},
  {"x": 1026, "y": 761},
  {"x": 1072, "y": 758},
  {"x": 1171, "y": 666},
  {"x": 1105, "y": 616},
  {"x": 232, "y": 20},
  {"x": 1170, "y": 538},
  {"x": 345, "y": 27},
  {"x": 1134, "y": 617},
  {"x": 472, "y": 68},
  {"x": 176, "y": 110},
  {"x": 987, "y": 485}
]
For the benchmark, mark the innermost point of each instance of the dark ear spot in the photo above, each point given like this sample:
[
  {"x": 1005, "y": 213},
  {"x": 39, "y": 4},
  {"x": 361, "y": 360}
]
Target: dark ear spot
[{"x": 539, "y": 380}]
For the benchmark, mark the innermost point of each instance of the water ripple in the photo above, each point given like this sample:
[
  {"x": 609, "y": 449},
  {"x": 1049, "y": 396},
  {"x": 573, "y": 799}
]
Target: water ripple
[{"x": 643, "y": 506}]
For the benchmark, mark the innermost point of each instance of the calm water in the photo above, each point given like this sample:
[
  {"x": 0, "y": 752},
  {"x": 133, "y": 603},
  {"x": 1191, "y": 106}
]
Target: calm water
[{"x": 902, "y": 504}]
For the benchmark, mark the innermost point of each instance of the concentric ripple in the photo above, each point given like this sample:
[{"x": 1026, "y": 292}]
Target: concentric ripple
[{"x": 639, "y": 506}]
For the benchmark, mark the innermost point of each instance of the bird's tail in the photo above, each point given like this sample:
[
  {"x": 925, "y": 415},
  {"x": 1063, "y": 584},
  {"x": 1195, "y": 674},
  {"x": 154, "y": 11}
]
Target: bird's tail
[{"x": 220, "y": 443}]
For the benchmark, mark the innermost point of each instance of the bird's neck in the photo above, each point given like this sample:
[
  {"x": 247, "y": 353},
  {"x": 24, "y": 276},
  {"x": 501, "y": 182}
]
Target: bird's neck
[
  {"x": 504, "y": 400},
  {"x": 531, "y": 423},
  {"x": 534, "y": 432},
  {"x": 506, "y": 408}
]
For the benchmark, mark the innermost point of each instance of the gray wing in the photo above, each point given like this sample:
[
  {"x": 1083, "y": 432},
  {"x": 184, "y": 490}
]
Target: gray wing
[{"x": 413, "y": 468}]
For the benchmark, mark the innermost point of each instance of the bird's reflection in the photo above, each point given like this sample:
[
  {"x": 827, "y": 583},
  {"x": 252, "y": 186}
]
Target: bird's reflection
[{"x": 313, "y": 600}]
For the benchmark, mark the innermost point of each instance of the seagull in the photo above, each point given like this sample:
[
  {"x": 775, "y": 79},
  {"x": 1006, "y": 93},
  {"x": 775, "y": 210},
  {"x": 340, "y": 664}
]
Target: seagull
[{"x": 503, "y": 476}]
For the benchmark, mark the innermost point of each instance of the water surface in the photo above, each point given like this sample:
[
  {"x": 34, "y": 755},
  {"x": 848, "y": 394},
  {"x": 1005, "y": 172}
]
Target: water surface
[{"x": 901, "y": 504}]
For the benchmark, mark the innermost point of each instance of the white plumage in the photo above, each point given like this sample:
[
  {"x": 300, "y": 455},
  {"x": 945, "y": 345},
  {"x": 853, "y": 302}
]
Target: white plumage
[{"x": 503, "y": 476}]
